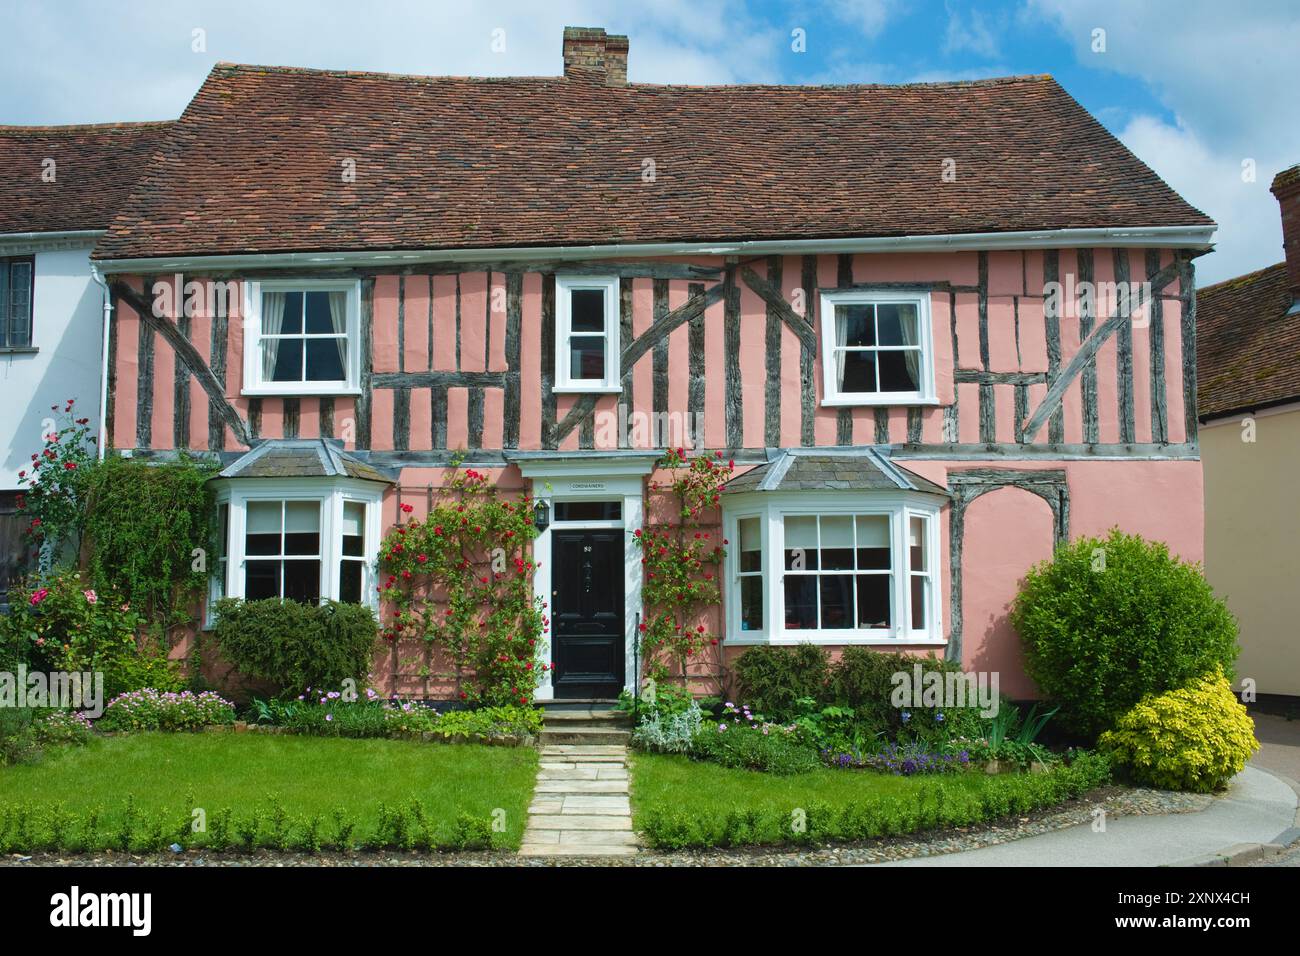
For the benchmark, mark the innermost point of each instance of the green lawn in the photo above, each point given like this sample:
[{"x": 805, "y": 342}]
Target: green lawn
[
  {"x": 306, "y": 775},
  {"x": 681, "y": 802}
]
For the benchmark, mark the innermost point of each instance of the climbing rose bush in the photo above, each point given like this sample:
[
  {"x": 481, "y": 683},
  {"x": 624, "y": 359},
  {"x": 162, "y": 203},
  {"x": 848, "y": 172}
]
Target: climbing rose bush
[
  {"x": 681, "y": 560},
  {"x": 51, "y": 499},
  {"x": 1195, "y": 738},
  {"x": 462, "y": 580}
]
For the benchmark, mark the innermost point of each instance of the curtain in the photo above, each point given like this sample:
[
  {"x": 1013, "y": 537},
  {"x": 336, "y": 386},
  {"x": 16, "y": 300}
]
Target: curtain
[
  {"x": 339, "y": 320},
  {"x": 910, "y": 337},
  {"x": 841, "y": 338},
  {"x": 272, "y": 323}
]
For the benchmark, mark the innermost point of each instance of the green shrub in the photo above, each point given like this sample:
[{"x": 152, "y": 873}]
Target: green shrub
[
  {"x": 773, "y": 679},
  {"x": 296, "y": 646},
  {"x": 143, "y": 520},
  {"x": 18, "y": 742},
  {"x": 149, "y": 709},
  {"x": 1108, "y": 621},
  {"x": 1195, "y": 738},
  {"x": 767, "y": 749}
]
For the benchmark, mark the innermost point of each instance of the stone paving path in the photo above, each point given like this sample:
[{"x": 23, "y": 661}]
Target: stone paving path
[{"x": 580, "y": 804}]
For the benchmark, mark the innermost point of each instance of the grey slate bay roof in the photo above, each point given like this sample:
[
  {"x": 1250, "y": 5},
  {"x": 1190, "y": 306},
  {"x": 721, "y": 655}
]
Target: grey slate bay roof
[
  {"x": 301, "y": 458},
  {"x": 868, "y": 470}
]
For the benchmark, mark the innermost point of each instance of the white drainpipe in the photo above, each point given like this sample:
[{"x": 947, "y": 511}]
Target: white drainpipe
[{"x": 103, "y": 370}]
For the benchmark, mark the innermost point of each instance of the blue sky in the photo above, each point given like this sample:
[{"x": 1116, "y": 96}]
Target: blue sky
[{"x": 1196, "y": 88}]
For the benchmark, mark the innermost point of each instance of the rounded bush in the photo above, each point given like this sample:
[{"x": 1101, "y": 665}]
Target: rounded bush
[
  {"x": 1108, "y": 621},
  {"x": 1195, "y": 738}
]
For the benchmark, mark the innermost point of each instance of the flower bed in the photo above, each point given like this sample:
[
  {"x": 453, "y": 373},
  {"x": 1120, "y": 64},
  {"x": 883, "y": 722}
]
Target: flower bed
[{"x": 149, "y": 709}]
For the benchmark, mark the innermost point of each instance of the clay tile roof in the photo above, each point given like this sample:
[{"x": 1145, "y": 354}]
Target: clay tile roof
[
  {"x": 1247, "y": 346},
  {"x": 301, "y": 458},
  {"x": 868, "y": 470},
  {"x": 94, "y": 170},
  {"x": 256, "y": 164}
]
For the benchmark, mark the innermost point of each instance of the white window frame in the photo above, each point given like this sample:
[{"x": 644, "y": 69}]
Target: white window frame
[
  {"x": 831, "y": 394},
  {"x": 253, "y": 383},
  {"x": 331, "y": 493},
  {"x": 772, "y": 510},
  {"x": 564, "y": 383}
]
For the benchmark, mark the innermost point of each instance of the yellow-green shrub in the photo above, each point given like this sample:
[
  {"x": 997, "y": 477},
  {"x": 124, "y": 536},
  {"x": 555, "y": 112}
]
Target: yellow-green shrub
[{"x": 1195, "y": 738}]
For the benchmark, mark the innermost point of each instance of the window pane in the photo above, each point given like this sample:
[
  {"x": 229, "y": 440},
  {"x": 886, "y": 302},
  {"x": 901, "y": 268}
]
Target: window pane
[
  {"x": 587, "y": 356},
  {"x": 856, "y": 371},
  {"x": 262, "y": 533},
  {"x": 897, "y": 324},
  {"x": 854, "y": 325},
  {"x": 20, "y": 303},
  {"x": 920, "y": 586},
  {"x": 873, "y": 600},
  {"x": 319, "y": 319},
  {"x": 587, "y": 310},
  {"x": 751, "y": 558},
  {"x": 801, "y": 543},
  {"x": 916, "y": 544},
  {"x": 900, "y": 371},
  {"x": 751, "y": 604},
  {"x": 837, "y": 600},
  {"x": 301, "y": 527},
  {"x": 284, "y": 358},
  {"x": 873, "y": 543},
  {"x": 354, "y": 528},
  {"x": 302, "y": 581},
  {"x": 350, "y": 581},
  {"x": 588, "y": 510},
  {"x": 837, "y": 543},
  {"x": 325, "y": 360},
  {"x": 223, "y": 529},
  {"x": 292, "y": 322},
  {"x": 801, "y": 601},
  {"x": 261, "y": 580}
]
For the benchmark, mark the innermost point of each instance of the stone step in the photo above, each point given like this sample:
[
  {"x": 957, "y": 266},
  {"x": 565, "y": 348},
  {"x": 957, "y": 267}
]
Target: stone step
[
  {"x": 580, "y": 786},
  {"x": 566, "y": 754},
  {"x": 575, "y": 849},
  {"x": 585, "y": 736},
  {"x": 579, "y": 821},
  {"x": 564, "y": 719}
]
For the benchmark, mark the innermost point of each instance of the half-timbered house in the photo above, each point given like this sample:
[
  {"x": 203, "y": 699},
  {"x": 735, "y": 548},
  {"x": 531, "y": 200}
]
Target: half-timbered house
[{"x": 938, "y": 327}]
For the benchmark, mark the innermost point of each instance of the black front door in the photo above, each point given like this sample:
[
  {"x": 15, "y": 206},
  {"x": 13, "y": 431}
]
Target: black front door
[{"x": 587, "y": 613}]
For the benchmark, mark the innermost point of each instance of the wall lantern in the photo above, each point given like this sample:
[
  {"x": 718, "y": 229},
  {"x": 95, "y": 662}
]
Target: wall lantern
[{"x": 542, "y": 514}]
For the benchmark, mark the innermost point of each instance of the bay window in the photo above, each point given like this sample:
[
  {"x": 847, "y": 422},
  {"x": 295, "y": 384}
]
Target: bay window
[
  {"x": 854, "y": 569},
  {"x": 303, "y": 540}
]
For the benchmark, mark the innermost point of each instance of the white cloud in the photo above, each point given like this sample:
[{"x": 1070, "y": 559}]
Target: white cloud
[
  {"x": 868, "y": 16},
  {"x": 93, "y": 62},
  {"x": 969, "y": 33},
  {"x": 1223, "y": 72},
  {"x": 1250, "y": 230}
]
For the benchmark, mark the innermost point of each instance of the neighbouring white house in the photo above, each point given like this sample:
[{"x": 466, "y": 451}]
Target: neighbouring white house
[{"x": 59, "y": 189}]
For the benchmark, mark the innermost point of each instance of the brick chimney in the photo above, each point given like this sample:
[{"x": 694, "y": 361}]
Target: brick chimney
[
  {"x": 1286, "y": 187},
  {"x": 592, "y": 56}
]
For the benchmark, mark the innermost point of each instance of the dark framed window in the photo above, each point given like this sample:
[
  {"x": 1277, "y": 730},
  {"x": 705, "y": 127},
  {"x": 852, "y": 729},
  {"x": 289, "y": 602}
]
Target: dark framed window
[{"x": 17, "y": 283}]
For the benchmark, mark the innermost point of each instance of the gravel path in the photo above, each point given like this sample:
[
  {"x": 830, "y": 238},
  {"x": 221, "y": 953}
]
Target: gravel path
[{"x": 1115, "y": 801}]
